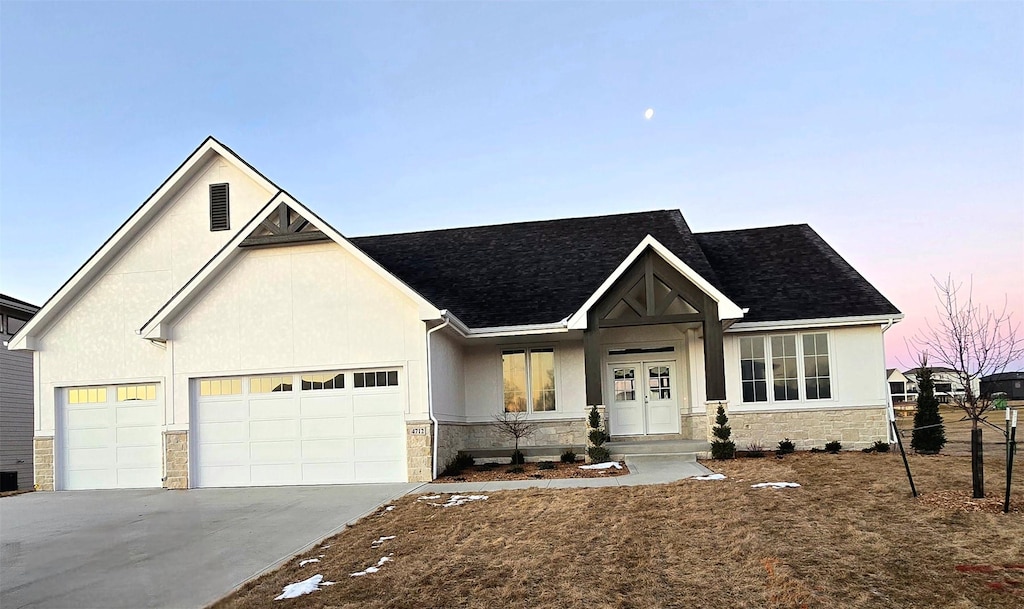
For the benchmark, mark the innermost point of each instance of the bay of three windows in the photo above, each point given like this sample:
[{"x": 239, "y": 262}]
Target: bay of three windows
[{"x": 800, "y": 367}]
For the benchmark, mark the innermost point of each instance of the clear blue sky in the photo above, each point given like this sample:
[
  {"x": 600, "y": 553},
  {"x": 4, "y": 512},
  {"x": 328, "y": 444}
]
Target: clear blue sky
[{"x": 894, "y": 129}]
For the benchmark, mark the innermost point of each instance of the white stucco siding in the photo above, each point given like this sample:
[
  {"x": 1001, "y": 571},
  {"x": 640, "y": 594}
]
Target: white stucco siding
[
  {"x": 484, "y": 382},
  {"x": 857, "y": 371},
  {"x": 294, "y": 309},
  {"x": 447, "y": 377},
  {"x": 180, "y": 239},
  {"x": 93, "y": 341}
]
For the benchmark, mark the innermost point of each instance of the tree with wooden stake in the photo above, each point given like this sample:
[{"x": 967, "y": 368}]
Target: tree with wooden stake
[
  {"x": 974, "y": 341},
  {"x": 516, "y": 426},
  {"x": 1011, "y": 449}
]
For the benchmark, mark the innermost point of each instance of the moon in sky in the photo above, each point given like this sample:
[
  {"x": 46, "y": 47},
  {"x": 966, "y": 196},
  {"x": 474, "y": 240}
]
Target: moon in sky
[{"x": 649, "y": 113}]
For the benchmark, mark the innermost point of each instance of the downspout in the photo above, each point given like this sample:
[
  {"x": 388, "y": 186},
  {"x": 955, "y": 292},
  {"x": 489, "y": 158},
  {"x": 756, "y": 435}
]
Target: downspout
[
  {"x": 430, "y": 394},
  {"x": 888, "y": 394}
]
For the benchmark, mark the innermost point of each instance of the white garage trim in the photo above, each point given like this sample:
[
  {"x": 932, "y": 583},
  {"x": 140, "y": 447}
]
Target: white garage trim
[
  {"x": 298, "y": 429},
  {"x": 110, "y": 437}
]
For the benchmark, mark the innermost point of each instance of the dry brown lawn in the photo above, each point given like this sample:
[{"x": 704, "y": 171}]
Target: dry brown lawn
[{"x": 850, "y": 537}]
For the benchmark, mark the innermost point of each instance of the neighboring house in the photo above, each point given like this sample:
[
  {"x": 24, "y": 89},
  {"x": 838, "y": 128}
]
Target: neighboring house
[
  {"x": 1009, "y": 383},
  {"x": 226, "y": 335},
  {"x": 948, "y": 386},
  {"x": 15, "y": 397},
  {"x": 900, "y": 387}
]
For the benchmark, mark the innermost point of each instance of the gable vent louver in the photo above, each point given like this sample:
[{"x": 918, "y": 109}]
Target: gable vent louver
[{"x": 219, "y": 207}]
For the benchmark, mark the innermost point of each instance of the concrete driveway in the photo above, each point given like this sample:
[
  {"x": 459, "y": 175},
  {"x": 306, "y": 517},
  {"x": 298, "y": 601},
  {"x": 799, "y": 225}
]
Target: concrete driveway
[{"x": 159, "y": 548}]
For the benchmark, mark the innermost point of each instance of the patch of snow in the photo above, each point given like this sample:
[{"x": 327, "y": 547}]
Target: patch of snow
[
  {"x": 373, "y": 569},
  {"x": 300, "y": 588},
  {"x": 381, "y": 540},
  {"x": 429, "y": 497},
  {"x": 776, "y": 485},
  {"x": 324, "y": 547},
  {"x": 607, "y": 465},
  {"x": 710, "y": 477},
  {"x": 389, "y": 508},
  {"x": 303, "y": 563}
]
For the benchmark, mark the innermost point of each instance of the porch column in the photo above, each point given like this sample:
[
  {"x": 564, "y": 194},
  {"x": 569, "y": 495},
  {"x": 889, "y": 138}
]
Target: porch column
[
  {"x": 592, "y": 360},
  {"x": 714, "y": 353}
]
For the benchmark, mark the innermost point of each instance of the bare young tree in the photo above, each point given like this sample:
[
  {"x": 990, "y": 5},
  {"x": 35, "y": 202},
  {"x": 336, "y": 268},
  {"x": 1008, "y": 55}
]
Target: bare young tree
[
  {"x": 974, "y": 341},
  {"x": 515, "y": 425}
]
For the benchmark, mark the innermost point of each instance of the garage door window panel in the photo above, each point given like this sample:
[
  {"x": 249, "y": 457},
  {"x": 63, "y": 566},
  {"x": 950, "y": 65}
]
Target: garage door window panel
[
  {"x": 270, "y": 384},
  {"x": 328, "y": 380},
  {"x": 215, "y": 387},
  {"x": 376, "y": 378},
  {"x": 132, "y": 393}
]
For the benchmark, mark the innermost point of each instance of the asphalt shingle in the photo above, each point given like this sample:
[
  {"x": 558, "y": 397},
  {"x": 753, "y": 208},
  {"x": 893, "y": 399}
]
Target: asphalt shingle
[{"x": 542, "y": 272}]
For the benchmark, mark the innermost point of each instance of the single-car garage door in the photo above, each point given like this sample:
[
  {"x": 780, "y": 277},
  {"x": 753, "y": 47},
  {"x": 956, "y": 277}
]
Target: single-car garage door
[
  {"x": 110, "y": 438},
  {"x": 331, "y": 427}
]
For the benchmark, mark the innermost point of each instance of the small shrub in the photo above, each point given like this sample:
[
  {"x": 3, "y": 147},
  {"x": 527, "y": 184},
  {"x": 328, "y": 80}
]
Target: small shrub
[
  {"x": 599, "y": 454},
  {"x": 597, "y": 437},
  {"x": 722, "y": 447},
  {"x": 516, "y": 469},
  {"x": 786, "y": 447},
  {"x": 518, "y": 458},
  {"x": 594, "y": 418},
  {"x": 833, "y": 446},
  {"x": 546, "y": 465},
  {"x": 568, "y": 456},
  {"x": 458, "y": 463},
  {"x": 755, "y": 450},
  {"x": 880, "y": 446}
]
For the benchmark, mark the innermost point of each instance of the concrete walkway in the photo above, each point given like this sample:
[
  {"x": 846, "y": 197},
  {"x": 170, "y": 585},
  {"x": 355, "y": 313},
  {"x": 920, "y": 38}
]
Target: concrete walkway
[{"x": 642, "y": 470}]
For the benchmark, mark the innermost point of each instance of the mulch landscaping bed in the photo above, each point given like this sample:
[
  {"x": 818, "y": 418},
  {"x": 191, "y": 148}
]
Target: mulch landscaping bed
[{"x": 531, "y": 471}]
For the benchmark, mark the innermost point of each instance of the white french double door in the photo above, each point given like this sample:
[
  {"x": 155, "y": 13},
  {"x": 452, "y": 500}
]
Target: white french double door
[{"x": 643, "y": 398}]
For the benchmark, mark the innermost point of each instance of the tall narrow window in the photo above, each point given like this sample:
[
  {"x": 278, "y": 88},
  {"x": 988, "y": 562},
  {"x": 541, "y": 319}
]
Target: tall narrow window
[
  {"x": 752, "y": 368},
  {"x": 784, "y": 373},
  {"x": 542, "y": 379},
  {"x": 513, "y": 372},
  {"x": 816, "y": 366},
  {"x": 220, "y": 218},
  {"x": 528, "y": 378}
]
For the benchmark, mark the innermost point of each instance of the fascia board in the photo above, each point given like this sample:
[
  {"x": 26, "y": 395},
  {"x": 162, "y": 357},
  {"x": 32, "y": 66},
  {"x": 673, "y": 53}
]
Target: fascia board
[{"x": 821, "y": 322}]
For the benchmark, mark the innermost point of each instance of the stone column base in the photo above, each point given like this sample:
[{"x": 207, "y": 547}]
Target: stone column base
[
  {"x": 42, "y": 458},
  {"x": 176, "y": 459},
  {"x": 419, "y": 451}
]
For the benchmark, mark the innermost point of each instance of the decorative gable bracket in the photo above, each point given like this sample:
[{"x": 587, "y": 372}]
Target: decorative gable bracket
[{"x": 283, "y": 227}]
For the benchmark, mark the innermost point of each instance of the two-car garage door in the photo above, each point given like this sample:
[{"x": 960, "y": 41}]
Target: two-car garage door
[{"x": 287, "y": 429}]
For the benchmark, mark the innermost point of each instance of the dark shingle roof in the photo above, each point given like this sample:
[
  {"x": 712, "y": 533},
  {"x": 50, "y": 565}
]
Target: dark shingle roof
[
  {"x": 528, "y": 272},
  {"x": 542, "y": 272},
  {"x": 789, "y": 272}
]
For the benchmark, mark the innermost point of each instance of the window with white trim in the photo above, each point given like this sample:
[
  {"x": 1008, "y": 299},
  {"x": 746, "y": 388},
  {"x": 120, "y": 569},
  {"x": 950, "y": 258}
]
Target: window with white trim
[
  {"x": 528, "y": 379},
  {"x": 800, "y": 367}
]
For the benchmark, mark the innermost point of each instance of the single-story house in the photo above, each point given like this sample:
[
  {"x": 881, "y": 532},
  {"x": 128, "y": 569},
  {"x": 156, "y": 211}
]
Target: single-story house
[
  {"x": 1010, "y": 384},
  {"x": 15, "y": 398},
  {"x": 226, "y": 335}
]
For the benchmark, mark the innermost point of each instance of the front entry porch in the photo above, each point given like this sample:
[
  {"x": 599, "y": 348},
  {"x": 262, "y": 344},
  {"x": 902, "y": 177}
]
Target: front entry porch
[{"x": 654, "y": 358}]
